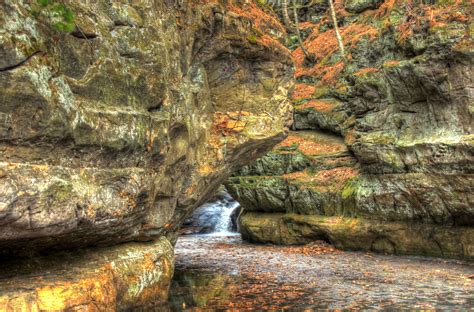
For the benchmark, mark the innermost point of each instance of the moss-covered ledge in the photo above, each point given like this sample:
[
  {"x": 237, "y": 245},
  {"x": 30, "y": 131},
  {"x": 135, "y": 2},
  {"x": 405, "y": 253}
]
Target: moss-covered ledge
[{"x": 359, "y": 234}]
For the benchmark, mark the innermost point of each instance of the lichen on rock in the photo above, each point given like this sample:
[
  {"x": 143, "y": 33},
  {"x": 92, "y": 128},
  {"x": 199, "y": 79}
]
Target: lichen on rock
[{"x": 116, "y": 131}]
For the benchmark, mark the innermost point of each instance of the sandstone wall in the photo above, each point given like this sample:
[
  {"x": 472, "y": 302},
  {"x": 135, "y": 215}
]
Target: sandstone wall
[{"x": 116, "y": 131}]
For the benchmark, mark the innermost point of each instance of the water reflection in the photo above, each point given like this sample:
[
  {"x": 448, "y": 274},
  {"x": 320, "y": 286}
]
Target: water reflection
[
  {"x": 192, "y": 288},
  {"x": 217, "y": 291},
  {"x": 224, "y": 273}
]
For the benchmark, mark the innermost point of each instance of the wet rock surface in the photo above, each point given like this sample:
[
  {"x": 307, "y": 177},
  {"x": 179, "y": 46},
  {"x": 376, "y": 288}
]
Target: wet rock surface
[
  {"x": 219, "y": 215},
  {"x": 248, "y": 277}
]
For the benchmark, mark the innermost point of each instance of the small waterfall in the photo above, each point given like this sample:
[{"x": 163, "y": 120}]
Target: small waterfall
[
  {"x": 214, "y": 218},
  {"x": 224, "y": 221}
]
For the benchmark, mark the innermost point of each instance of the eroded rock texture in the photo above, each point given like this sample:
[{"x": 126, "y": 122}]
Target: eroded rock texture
[
  {"x": 108, "y": 279},
  {"x": 116, "y": 131},
  {"x": 402, "y": 109}
]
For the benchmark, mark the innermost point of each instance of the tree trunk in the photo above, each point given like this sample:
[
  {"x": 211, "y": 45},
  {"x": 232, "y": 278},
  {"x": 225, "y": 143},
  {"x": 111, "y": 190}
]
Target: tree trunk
[
  {"x": 286, "y": 16},
  {"x": 298, "y": 33},
  {"x": 336, "y": 29}
]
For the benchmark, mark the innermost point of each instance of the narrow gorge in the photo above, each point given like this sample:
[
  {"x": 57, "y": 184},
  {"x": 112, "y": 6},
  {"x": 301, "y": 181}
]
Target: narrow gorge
[{"x": 138, "y": 138}]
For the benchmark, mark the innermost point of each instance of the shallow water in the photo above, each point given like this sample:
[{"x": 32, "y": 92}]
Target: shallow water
[{"x": 216, "y": 273}]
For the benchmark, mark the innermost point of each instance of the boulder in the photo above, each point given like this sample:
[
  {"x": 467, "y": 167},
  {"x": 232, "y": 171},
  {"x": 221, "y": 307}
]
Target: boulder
[
  {"x": 105, "y": 279},
  {"x": 359, "y": 234}
]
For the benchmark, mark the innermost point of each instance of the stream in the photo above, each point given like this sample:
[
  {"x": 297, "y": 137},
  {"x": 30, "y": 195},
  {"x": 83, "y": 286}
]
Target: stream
[{"x": 219, "y": 271}]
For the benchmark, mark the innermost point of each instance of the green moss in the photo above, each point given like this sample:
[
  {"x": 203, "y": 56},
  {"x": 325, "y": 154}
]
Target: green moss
[
  {"x": 350, "y": 188},
  {"x": 252, "y": 39},
  {"x": 59, "y": 191},
  {"x": 263, "y": 4},
  {"x": 292, "y": 147},
  {"x": 321, "y": 92},
  {"x": 257, "y": 182},
  {"x": 325, "y": 60},
  {"x": 380, "y": 138},
  {"x": 396, "y": 17},
  {"x": 371, "y": 78},
  {"x": 445, "y": 3}
]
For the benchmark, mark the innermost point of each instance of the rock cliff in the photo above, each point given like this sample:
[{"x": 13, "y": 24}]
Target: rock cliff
[
  {"x": 381, "y": 157},
  {"x": 115, "y": 131}
]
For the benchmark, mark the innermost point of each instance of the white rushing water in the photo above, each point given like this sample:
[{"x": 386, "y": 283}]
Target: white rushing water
[
  {"x": 213, "y": 218},
  {"x": 224, "y": 222}
]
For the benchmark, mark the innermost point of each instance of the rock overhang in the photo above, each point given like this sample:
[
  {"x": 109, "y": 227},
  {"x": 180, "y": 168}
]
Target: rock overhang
[{"x": 118, "y": 130}]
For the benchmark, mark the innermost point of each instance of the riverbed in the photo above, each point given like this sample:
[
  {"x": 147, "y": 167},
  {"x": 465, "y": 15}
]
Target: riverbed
[{"x": 223, "y": 272}]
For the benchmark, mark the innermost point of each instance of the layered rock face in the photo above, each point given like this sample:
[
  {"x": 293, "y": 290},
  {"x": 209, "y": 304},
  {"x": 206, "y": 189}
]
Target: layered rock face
[
  {"x": 400, "y": 177},
  {"x": 109, "y": 279},
  {"x": 116, "y": 131}
]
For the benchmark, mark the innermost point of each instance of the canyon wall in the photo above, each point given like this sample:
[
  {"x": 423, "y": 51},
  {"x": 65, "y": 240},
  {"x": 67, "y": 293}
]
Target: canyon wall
[
  {"x": 381, "y": 153},
  {"x": 113, "y": 131}
]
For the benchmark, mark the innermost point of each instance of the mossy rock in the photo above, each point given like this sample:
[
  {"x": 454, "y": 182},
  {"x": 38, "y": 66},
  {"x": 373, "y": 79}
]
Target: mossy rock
[
  {"x": 359, "y": 234},
  {"x": 359, "y": 6}
]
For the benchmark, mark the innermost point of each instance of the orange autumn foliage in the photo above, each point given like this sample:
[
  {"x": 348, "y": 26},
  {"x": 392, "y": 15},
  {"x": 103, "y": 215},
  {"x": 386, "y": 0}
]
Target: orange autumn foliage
[
  {"x": 261, "y": 20},
  {"x": 350, "y": 137},
  {"x": 318, "y": 105},
  {"x": 305, "y": 25},
  {"x": 310, "y": 147},
  {"x": 302, "y": 91},
  {"x": 335, "y": 178},
  {"x": 324, "y": 45},
  {"x": 369, "y": 24},
  {"x": 416, "y": 14},
  {"x": 367, "y": 70},
  {"x": 262, "y": 24},
  {"x": 391, "y": 63},
  {"x": 272, "y": 43},
  {"x": 435, "y": 16},
  {"x": 312, "y": 249},
  {"x": 340, "y": 9}
]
